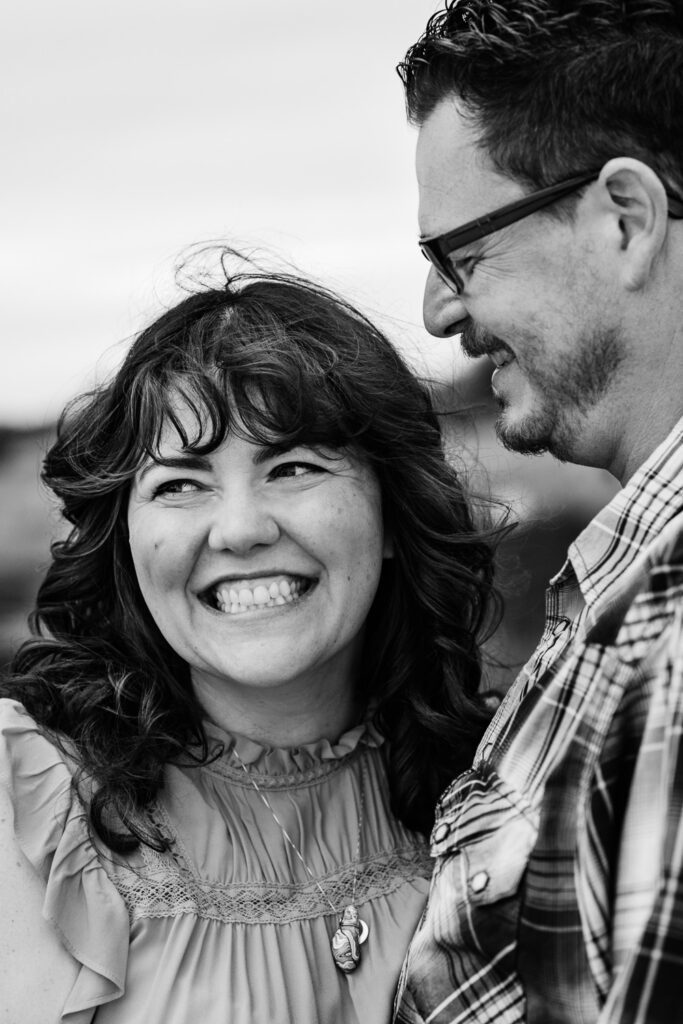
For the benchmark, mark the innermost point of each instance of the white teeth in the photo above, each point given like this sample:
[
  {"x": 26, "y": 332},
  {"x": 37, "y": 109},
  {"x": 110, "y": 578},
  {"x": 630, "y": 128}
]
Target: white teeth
[{"x": 234, "y": 600}]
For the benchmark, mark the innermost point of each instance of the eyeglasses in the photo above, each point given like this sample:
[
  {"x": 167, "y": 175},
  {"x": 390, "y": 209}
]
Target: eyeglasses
[{"x": 437, "y": 250}]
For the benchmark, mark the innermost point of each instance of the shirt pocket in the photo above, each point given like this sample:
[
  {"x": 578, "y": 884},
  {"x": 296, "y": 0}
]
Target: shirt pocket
[{"x": 482, "y": 839}]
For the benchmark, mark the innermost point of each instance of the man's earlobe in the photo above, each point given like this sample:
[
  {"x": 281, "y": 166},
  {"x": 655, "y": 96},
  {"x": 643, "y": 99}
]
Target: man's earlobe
[{"x": 639, "y": 204}]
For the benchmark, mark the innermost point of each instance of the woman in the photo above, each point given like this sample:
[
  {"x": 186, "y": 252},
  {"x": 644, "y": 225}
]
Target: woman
[{"x": 254, "y": 669}]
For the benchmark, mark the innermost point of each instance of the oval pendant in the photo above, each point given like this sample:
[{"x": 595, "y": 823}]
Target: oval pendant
[{"x": 347, "y": 940}]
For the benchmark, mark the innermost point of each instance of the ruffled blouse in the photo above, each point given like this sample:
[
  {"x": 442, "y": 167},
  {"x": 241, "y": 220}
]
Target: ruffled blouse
[{"x": 226, "y": 925}]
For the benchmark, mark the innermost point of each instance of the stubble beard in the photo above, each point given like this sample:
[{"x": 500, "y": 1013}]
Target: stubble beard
[{"x": 565, "y": 389}]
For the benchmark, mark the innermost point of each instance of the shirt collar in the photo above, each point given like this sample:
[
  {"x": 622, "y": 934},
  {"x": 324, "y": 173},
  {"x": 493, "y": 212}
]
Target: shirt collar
[{"x": 630, "y": 522}]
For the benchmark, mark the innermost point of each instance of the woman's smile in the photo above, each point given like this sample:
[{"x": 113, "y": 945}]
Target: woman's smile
[
  {"x": 235, "y": 596},
  {"x": 259, "y": 565}
]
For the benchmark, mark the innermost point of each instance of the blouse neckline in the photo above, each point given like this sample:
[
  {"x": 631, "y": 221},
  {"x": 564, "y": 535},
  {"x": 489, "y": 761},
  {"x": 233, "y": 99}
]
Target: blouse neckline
[{"x": 307, "y": 760}]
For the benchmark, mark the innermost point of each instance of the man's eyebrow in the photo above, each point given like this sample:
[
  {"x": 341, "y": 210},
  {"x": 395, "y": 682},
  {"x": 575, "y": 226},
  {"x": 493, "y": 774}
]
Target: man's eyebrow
[
  {"x": 189, "y": 461},
  {"x": 470, "y": 248}
]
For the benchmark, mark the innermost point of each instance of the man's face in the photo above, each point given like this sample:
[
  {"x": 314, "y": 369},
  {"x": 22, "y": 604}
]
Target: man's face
[{"x": 532, "y": 298}]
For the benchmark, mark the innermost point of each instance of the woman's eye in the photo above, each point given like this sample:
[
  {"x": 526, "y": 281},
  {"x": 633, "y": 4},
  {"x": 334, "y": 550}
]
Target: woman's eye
[
  {"x": 295, "y": 469},
  {"x": 176, "y": 487}
]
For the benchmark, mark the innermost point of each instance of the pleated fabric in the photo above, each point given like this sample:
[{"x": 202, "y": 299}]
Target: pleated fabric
[{"x": 227, "y": 925}]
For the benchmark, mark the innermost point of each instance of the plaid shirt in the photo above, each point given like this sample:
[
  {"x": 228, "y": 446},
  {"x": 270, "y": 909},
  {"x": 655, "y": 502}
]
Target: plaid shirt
[{"x": 557, "y": 893}]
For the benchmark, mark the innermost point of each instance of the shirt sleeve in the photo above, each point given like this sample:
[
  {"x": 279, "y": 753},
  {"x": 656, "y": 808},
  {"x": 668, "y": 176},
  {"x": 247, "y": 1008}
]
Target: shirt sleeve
[{"x": 647, "y": 929}]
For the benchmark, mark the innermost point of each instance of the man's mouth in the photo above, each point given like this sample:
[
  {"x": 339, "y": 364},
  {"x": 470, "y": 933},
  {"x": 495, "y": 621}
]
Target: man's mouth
[
  {"x": 475, "y": 341},
  {"x": 240, "y": 596},
  {"x": 501, "y": 358}
]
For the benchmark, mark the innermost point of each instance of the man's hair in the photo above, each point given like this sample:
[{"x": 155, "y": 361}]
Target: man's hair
[
  {"x": 556, "y": 88},
  {"x": 287, "y": 361}
]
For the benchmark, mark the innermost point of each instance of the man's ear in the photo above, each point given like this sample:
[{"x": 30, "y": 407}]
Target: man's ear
[{"x": 634, "y": 196}]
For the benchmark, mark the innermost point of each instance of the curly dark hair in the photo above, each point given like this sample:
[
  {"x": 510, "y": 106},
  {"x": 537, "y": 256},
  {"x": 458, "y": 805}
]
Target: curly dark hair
[
  {"x": 555, "y": 89},
  {"x": 290, "y": 361}
]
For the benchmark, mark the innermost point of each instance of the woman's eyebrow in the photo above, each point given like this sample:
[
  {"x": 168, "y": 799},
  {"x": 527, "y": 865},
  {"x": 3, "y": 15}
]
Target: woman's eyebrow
[
  {"x": 189, "y": 461},
  {"x": 274, "y": 449}
]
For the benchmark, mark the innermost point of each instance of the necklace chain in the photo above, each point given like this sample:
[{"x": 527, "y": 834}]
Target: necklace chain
[{"x": 292, "y": 844}]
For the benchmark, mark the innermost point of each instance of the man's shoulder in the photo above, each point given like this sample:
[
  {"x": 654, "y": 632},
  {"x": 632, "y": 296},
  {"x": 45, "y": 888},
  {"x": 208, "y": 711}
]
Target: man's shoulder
[
  {"x": 647, "y": 593},
  {"x": 668, "y": 547}
]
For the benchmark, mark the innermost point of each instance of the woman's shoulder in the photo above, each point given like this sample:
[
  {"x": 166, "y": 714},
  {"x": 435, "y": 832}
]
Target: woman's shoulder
[
  {"x": 14, "y": 716},
  {"x": 50, "y": 875},
  {"x": 15, "y": 720},
  {"x": 47, "y": 817},
  {"x": 33, "y": 768},
  {"x": 22, "y": 738}
]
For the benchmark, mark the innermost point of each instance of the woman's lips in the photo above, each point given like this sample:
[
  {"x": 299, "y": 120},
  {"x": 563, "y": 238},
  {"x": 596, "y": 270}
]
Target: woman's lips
[{"x": 237, "y": 596}]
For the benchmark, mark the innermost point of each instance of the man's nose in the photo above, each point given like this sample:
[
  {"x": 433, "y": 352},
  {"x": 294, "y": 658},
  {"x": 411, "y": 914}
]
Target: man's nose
[
  {"x": 443, "y": 311},
  {"x": 241, "y": 521}
]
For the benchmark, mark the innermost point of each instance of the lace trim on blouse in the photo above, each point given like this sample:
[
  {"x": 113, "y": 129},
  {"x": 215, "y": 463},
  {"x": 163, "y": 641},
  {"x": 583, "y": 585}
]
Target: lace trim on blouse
[
  {"x": 168, "y": 885},
  {"x": 169, "y": 889}
]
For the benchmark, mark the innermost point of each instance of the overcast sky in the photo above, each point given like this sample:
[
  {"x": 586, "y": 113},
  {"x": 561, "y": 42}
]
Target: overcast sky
[{"x": 133, "y": 130}]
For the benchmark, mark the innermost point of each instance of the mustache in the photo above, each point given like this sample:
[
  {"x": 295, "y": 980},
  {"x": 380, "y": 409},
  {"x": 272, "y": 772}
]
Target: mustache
[{"x": 476, "y": 341}]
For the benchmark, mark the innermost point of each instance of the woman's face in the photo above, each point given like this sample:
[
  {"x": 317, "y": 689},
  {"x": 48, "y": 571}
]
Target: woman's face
[{"x": 258, "y": 566}]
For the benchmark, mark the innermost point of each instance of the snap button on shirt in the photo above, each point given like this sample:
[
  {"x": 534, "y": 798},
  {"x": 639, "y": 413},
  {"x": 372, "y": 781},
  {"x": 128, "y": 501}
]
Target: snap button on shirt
[
  {"x": 479, "y": 881},
  {"x": 441, "y": 831}
]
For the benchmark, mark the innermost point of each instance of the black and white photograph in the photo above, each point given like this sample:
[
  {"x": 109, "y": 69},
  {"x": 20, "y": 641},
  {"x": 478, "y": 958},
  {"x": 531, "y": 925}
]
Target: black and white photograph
[{"x": 341, "y": 529}]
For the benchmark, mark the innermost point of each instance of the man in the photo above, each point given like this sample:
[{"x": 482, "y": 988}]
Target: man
[{"x": 550, "y": 173}]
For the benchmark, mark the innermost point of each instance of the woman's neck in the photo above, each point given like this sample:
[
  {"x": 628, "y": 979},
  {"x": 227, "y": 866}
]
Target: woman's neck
[{"x": 278, "y": 716}]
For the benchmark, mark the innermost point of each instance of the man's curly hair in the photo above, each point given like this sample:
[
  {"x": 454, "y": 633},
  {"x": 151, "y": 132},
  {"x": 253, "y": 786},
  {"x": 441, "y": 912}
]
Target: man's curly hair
[{"x": 554, "y": 88}]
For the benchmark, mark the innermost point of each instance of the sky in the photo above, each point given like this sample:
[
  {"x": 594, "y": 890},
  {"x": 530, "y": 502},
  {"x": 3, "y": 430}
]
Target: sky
[{"x": 134, "y": 131}]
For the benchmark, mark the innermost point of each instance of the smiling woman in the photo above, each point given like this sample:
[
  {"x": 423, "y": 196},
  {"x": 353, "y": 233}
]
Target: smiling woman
[
  {"x": 260, "y": 567},
  {"x": 255, "y": 667}
]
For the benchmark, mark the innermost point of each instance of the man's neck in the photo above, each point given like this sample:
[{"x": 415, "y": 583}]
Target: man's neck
[{"x": 642, "y": 436}]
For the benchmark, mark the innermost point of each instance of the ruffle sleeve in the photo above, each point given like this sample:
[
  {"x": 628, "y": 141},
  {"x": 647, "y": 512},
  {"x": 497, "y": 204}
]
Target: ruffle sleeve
[{"x": 50, "y": 824}]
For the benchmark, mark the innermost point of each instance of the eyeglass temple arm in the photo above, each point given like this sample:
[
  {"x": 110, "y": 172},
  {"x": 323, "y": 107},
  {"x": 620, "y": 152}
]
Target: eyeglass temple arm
[
  {"x": 536, "y": 201},
  {"x": 511, "y": 213}
]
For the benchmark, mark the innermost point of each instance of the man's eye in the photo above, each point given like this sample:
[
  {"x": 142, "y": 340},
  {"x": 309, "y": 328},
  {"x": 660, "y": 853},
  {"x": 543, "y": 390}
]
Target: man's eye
[
  {"x": 465, "y": 264},
  {"x": 295, "y": 469},
  {"x": 176, "y": 487}
]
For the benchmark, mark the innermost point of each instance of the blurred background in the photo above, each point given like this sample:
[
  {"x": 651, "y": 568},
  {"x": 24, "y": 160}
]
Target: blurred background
[{"x": 134, "y": 131}]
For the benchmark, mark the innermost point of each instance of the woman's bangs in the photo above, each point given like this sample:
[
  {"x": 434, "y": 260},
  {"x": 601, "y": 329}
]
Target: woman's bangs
[
  {"x": 290, "y": 410},
  {"x": 266, "y": 385},
  {"x": 196, "y": 408}
]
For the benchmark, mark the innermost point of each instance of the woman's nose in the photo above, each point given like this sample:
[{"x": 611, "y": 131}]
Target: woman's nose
[
  {"x": 240, "y": 522},
  {"x": 443, "y": 311}
]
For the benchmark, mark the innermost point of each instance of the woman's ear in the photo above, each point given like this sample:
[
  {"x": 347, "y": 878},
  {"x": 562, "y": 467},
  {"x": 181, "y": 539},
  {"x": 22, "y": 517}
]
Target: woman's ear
[
  {"x": 388, "y": 547},
  {"x": 635, "y": 200}
]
